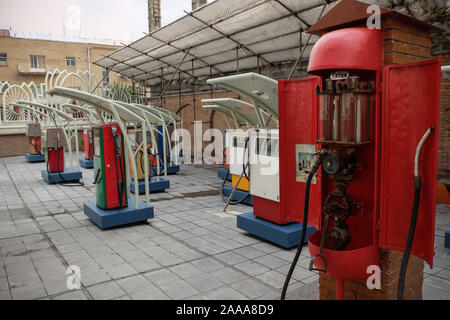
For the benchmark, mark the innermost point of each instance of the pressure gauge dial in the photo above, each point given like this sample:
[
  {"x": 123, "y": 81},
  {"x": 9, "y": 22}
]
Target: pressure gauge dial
[{"x": 331, "y": 164}]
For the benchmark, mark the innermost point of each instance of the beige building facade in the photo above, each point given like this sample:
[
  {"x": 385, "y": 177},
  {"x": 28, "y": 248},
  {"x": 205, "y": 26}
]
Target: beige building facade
[{"x": 26, "y": 60}]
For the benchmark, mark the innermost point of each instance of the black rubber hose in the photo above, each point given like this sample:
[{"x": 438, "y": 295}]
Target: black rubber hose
[
  {"x": 248, "y": 160},
  {"x": 414, "y": 214},
  {"x": 412, "y": 230},
  {"x": 317, "y": 163},
  {"x": 225, "y": 199},
  {"x": 117, "y": 160},
  {"x": 64, "y": 182},
  {"x": 35, "y": 147}
]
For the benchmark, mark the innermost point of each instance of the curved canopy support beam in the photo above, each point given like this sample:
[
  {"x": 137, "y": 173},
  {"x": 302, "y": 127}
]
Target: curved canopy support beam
[
  {"x": 263, "y": 91},
  {"x": 121, "y": 114}
]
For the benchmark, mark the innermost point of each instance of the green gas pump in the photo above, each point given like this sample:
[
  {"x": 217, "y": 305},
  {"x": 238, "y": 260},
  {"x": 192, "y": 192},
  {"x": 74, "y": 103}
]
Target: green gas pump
[{"x": 109, "y": 167}]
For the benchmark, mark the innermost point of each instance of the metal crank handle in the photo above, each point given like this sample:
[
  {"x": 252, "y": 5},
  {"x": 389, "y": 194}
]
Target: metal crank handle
[{"x": 311, "y": 264}]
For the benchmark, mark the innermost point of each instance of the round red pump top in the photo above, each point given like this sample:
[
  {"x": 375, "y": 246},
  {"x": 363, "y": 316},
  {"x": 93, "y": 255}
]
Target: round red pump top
[{"x": 350, "y": 48}]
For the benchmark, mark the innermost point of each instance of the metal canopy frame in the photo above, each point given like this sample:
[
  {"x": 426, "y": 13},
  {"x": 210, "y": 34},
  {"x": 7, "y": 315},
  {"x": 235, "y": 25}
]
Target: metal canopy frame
[
  {"x": 167, "y": 118},
  {"x": 64, "y": 121},
  {"x": 261, "y": 90},
  {"x": 253, "y": 115},
  {"x": 220, "y": 37},
  {"x": 151, "y": 119},
  {"x": 122, "y": 116}
]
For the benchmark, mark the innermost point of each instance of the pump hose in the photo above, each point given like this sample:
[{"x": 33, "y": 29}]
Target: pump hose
[
  {"x": 315, "y": 167},
  {"x": 141, "y": 157},
  {"x": 414, "y": 215},
  {"x": 120, "y": 186},
  {"x": 235, "y": 202},
  {"x": 64, "y": 183},
  {"x": 36, "y": 148}
]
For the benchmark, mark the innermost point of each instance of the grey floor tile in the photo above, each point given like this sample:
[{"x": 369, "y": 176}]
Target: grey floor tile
[
  {"x": 135, "y": 284},
  {"x": 178, "y": 290},
  {"x": 94, "y": 277},
  {"x": 207, "y": 264},
  {"x": 251, "y": 268},
  {"x": 252, "y": 289},
  {"x": 225, "y": 293},
  {"x": 228, "y": 275},
  {"x": 120, "y": 270},
  {"x": 152, "y": 294},
  {"x": 28, "y": 292},
  {"x": 74, "y": 295},
  {"x": 161, "y": 277},
  {"x": 204, "y": 282},
  {"x": 185, "y": 270},
  {"x": 106, "y": 291}
]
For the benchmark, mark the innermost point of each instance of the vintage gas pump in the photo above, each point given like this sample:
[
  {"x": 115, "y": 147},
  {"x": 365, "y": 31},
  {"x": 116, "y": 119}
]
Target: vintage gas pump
[
  {"x": 136, "y": 137},
  {"x": 374, "y": 131},
  {"x": 109, "y": 167},
  {"x": 55, "y": 150},
  {"x": 34, "y": 133},
  {"x": 237, "y": 158},
  {"x": 88, "y": 144}
]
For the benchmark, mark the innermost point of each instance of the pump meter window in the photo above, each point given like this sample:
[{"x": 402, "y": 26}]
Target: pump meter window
[{"x": 96, "y": 142}]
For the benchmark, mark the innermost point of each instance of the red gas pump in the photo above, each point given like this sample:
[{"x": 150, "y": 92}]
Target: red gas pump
[
  {"x": 55, "y": 150},
  {"x": 34, "y": 134},
  {"x": 375, "y": 131},
  {"x": 88, "y": 144}
]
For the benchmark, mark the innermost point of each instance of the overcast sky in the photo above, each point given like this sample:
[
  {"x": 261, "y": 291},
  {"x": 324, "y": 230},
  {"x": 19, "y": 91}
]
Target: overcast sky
[{"x": 124, "y": 20}]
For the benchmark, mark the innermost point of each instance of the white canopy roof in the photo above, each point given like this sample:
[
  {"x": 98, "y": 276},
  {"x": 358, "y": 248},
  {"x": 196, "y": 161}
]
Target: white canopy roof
[
  {"x": 246, "y": 110},
  {"x": 260, "y": 89},
  {"x": 214, "y": 37}
]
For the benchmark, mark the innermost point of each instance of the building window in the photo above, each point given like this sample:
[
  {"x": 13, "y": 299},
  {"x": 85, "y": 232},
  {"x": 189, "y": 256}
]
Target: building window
[
  {"x": 37, "y": 62},
  {"x": 105, "y": 77},
  {"x": 70, "y": 61},
  {"x": 3, "y": 60}
]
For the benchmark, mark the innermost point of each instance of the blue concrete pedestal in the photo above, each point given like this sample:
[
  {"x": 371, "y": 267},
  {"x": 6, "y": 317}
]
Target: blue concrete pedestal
[
  {"x": 238, "y": 194},
  {"x": 170, "y": 170},
  {"x": 87, "y": 164},
  {"x": 69, "y": 175},
  {"x": 287, "y": 236},
  {"x": 154, "y": 184},
  {"x": 113, "y": 218},
  {"x": 222, "y": 173},
  {"x": 33, "y": 158},
  {"x": 447, "y": 239}
]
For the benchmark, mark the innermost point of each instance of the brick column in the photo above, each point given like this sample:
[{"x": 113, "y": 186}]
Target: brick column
[
  {"x": 402, "y": 43},
  {"x": 444, "y": 140}
]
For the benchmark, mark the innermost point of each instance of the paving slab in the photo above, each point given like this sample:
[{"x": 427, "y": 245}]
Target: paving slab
[{"x": 190, "y": 250}]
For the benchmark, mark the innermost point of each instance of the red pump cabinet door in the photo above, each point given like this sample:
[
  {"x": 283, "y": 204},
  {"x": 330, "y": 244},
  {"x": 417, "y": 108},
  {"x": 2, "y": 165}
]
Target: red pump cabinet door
[
  {"x": 297, "y": 105},
  {"x": 410, "y": 106}
]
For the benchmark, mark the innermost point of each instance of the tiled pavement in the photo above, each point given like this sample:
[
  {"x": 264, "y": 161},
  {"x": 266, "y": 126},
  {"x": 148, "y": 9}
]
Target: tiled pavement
[{"x": 191, "y": 250}]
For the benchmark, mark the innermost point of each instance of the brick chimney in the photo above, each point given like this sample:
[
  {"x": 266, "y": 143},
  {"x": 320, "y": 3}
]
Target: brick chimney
[
  {"x": 198, "y": 3},
  {"x": 154, "y": 15}
]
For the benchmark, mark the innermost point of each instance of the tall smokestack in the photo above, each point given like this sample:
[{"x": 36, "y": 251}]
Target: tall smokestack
[
  {"x": 154, "y": 15},
  {"x": 197, "y": 3}
]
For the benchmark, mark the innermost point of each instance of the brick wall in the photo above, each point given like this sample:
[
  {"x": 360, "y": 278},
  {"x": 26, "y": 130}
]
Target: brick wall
[
  {"x": 17, "y": 144},
  {"x": 390, "y": 262},
  {"x": 13, "y": 145},
  {"x": 402, "y": 43},
  {"x": 184, "y": 107},
  {"x": 444, "y": 142}
]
